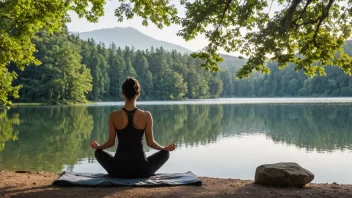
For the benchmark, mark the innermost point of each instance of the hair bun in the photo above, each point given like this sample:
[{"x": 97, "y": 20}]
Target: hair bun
[{"x": 130, "y": 88}]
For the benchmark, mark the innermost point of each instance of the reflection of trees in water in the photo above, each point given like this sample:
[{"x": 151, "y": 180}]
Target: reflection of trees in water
[
  {"x": 189, "y": 124},
  {"x": 321, "y": 127},
  {"x": 241, "y": 120},
  {"x": 48, "y": 138},
  {"x": 310, "y": 126},
  {"x": 7, "y": 131},
  {"x": 186, "y": 124}
]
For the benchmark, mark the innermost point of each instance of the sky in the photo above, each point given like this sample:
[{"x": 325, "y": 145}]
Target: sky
[{"x": 167, "y": 34}]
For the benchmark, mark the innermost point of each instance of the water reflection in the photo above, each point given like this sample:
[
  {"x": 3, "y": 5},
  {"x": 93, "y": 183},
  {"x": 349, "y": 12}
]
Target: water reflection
[
  {"x": 47, "y": 138},
  {"x": 319, "y": 127},
  {"x": 7, "y": 131}
]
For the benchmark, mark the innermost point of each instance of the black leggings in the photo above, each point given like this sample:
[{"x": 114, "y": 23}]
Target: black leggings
[{"x": 155, "y": 161}]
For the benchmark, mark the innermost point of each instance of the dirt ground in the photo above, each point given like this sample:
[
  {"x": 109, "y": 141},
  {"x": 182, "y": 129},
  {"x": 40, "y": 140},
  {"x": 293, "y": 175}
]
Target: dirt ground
[{"x": 39, "y": 185}]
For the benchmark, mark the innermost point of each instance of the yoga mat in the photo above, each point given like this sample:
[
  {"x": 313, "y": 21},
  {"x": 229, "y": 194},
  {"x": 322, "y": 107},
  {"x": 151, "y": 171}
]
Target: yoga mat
[{"x": 98, "y": 179}]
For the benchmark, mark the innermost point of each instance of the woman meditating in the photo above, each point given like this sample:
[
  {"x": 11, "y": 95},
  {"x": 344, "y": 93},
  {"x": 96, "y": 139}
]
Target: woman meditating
[{"x": 130, "y": 123}]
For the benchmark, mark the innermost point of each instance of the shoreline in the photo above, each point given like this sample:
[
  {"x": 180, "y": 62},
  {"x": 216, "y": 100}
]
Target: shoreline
[
  {"x": 234, "y": 100},
  {"x": 57, "y": 103},
  {"x": 38, "y": 184}
]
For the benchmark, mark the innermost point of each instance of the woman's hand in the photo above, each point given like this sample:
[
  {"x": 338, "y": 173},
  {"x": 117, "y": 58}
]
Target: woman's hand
[
  {"x": 94, "y": 144},
  {"x": 170, "y": 147}
]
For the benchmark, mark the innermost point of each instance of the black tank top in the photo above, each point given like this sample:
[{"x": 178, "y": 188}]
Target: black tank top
[
  {"x": 130, "y": 158},
  {"x": 130, "y": 138}
]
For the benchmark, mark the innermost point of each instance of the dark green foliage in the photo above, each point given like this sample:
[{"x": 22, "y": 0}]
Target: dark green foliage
[
  {"x": 75, "y": 70},
  {"x": 20, "y": 20},
  {"x": 60, "y": 77},
  {"x": 309, "y": 34},
  {"x": 316, "y": 30},
  {"x": 288, "y": 83}
]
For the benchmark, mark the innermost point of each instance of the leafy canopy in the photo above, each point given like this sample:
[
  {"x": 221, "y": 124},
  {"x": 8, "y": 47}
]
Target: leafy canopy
[
  {"x": 308, "y": 33},
  {"x": 20, "y": 20}
]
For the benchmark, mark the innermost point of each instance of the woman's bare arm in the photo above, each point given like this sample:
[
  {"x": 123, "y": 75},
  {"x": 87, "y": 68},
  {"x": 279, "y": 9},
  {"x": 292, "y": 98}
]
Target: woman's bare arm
[
  {"x": 112, "y": 135},
  {"x": 149, "y": 133}
]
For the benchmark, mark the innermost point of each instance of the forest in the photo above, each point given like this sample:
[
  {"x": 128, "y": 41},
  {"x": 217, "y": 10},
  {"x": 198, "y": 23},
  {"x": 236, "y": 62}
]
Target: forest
[{"x": 75, "y": 70}]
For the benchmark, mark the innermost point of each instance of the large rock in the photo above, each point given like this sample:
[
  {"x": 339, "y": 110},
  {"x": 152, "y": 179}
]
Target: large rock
[{"x": 283, "y": 174}]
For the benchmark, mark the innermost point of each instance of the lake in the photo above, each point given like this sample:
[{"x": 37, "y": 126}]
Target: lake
[{"x": 225, "y": 138}]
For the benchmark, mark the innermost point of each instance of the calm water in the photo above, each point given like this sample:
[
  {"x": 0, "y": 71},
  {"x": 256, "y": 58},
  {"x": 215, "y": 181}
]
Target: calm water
[{"x": 225, "y": 138}]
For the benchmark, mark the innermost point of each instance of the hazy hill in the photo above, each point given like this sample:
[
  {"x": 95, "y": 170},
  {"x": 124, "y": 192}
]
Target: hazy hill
[
  {"x": 348, "y": 47},
  {"x": 232, "y": 62},
  {"x": 129, "y": 37}
]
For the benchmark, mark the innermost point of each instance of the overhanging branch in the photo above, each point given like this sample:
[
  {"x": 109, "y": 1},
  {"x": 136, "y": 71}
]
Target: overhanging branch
[
  {"x": 228, "y": 2},
  {"x": 303, "y": 11},
  {"x": 287, "y": 20},
  {"x": 325, "y": 13}
]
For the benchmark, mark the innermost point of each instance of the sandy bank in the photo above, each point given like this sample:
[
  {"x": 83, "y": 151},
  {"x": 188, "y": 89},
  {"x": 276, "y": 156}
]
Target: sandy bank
[{"x": 39, "y": 185}]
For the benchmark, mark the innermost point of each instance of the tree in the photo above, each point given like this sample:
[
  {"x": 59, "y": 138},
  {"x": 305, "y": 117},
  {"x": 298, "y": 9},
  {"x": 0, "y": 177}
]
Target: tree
[
  {"x": 197, "y": 87},
  {"x": 145, "y": 77},
  {"x": 99, "y": 67},
  {"x": 116, "y": 72},
  {"x": 227, "y": 83},
  {"x": 308, "y": 33},
  {"x": 130, "y": 72},
  {"x": 177, "y": 88},
  {"x": 20, "y": 20},
  {"x": 215, "y": 87},
  {"x": 61, "y": 75}
]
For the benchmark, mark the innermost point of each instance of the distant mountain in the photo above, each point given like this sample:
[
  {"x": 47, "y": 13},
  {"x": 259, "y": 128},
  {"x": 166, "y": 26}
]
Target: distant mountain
[
  {"x": 231, "y": 62},
  {"x": 129, "y": 37},
  {"x": 348, "y": 47}
]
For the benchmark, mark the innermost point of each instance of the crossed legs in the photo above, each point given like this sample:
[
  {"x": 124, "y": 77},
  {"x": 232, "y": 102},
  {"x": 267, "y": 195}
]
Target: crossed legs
[{"x": 155, "y": 161}]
